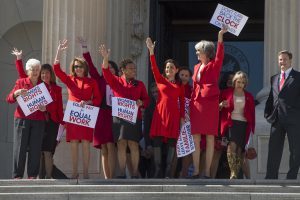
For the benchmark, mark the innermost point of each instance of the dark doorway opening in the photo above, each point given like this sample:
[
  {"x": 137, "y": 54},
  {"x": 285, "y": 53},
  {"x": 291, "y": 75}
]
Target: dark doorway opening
[{"x": 174, "y": 24}]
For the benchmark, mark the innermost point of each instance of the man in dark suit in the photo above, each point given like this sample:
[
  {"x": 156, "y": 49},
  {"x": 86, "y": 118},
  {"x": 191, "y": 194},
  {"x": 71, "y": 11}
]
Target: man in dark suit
[{"x": 283, "y": 112}]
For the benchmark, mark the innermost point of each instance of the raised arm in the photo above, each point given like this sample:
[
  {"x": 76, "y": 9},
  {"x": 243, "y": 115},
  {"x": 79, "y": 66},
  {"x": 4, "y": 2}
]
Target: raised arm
[
  {"x": 86, "y": 54},
  {"x": 220, "y": 47},
  {"x": 221, "y": 33},
  {"x": 56, "y": 67},
  {"x": 157, "y": 76},
  {"x": 109, "y": 77},
  {"x": 19, "y": 63}
]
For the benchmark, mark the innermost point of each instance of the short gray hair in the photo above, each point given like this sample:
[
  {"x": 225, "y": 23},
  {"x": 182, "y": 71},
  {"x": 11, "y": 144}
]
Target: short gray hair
[
  {"x": 32, "y": 63},
  {"x": 206, "y": 47}
]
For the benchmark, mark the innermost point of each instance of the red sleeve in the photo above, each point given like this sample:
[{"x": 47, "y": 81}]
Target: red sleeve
[
  {"x": 144, "y": 96},
  {"x": 182, "y": 101},
  {"x": 60, "y": 74},
  {"x": 20, "y": 69},
  {"x": 92, "y": 69},
  {"x": 219, "y": 55},
  {"x": 157, "y": 76},
  {"x": 111, "y": 79},
  {"x": 97, "y": 98},
  {"x": 10, "y": 97}
]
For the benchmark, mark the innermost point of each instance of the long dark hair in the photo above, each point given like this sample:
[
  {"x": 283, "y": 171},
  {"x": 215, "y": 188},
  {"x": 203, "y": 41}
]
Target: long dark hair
[
  {"x": 49, "y": 68},
  {"x": 115, "y": 66},
  {"x": 177, "y": 79}
]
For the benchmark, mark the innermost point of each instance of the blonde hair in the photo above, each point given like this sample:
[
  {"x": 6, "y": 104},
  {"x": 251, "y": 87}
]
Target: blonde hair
[{"x": 240, "y": 75}]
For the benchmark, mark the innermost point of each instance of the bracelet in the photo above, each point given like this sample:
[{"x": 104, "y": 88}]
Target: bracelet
[{"x": 84, "y": 46}]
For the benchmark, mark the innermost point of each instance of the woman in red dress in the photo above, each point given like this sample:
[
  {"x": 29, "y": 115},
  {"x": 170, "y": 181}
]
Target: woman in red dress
[
  {"x": 126, "y": 134},
  {"x": 169, "y": 113},
  {"x": 204, "y": 107},
  {"x": 237, "y": 120},
  {"x": 54, "y": 113},
  {"x": 84, "y": 90},
  {"x": 103, "y": 136}
]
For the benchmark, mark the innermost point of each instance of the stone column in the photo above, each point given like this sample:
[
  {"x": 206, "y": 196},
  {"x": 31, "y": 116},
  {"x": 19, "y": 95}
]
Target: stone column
[
  {"x": 121, "y": 25},
  {"x": 282, "y": 29}
]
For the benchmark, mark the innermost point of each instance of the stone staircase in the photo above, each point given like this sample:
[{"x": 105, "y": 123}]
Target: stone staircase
[{"x": 150, "y": 189}]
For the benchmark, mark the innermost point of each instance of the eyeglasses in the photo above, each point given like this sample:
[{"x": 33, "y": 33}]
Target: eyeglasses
[{"x": 78, "y": 66}]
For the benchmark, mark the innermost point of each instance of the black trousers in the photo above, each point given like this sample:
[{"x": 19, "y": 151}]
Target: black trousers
[
  {"x": 28, "y": 136},
  {"x": 276, "y": 144}
]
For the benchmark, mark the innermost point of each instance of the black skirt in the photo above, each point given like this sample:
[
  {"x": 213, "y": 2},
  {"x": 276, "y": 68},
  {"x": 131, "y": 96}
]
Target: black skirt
[
  {"x": 237, "y": 133},
  {"x": 125, "y": 130},
  {"x": 49, "y": 140}
]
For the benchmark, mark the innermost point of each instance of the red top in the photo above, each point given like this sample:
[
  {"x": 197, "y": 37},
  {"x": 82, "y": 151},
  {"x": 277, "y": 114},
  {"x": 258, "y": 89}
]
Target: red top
[
  {"x": 169, "y": 107},
  {"x": 79, "y": 88},
  {"x": 188, "y": 91},
  {"x": 98, "y": 78},
  {"x": 249, "y": 112},
  {"x": 133, "y": 90},
  {"x": 24, "y": 83},
  {"x": 208, "y": 84},
  {"x": 55, "y": 108}
]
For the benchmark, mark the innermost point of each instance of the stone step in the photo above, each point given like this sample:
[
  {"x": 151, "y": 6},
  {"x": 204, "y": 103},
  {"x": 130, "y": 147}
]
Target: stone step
[{"x": 175, "y": 189}]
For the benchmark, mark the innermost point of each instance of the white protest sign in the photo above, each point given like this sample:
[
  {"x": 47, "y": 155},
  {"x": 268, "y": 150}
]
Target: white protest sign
[
  {"x": 82, "y": 116},
  {"x": 233, "y": 19},
  {"x": 124, "y": 108},
  {"x": 185, "y": 143},
  {"x": 109, "y": 95},
  {"x": 35, "y": 97}
]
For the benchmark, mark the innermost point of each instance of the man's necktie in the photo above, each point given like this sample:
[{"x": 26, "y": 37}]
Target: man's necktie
[{"x": 282, "y": 80}]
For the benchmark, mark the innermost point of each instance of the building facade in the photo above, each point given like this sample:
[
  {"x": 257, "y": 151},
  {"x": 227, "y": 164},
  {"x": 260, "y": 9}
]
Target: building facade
[{"x": 36, "y": 27}]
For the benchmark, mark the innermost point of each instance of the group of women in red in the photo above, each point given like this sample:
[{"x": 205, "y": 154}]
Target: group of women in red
[{"x": 117, "y": 137}]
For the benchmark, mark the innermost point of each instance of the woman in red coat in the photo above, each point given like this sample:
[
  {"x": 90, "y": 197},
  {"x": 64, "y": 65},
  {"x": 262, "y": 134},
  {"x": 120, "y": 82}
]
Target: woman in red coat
[
  {"x": 237, "y": 120},
  {"x": 168, "y": 115},
  {"x": 204, "y": 107},
  {"x": 84, "y": 90},
  {"x": 54, "y": 112},
  {"x": 126, "y": 134},
  {"x": 103, "y": 137}
]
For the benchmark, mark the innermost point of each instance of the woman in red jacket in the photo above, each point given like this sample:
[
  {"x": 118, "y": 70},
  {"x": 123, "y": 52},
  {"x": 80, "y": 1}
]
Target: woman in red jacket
[
  {"x": 84, "y": 90},
  {"x": 54, "y": 113},
  {"x": 237, "y": 120},
  {"x": 204, "y": 106},
  {"x": 103, "y": 136},
  {"x": 168, "y": 116},
  {"x": 126, "y": 134},
  {"x": 28, "y": 130}
]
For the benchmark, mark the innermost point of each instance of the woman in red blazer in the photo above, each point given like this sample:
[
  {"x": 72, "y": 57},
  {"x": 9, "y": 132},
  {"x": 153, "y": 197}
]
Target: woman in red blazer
[
  {"x": 204, "y": 106},
  {"x": 237, "y": 120},
  {"x": 54, "y": 113},
  {"x": 84, "y": 90},
  {"x": 168, "y": 115},
  {"x": 28, "y": 130},
  {"x": 126, "y": 134},
  {"x": 103, "y": 137}
]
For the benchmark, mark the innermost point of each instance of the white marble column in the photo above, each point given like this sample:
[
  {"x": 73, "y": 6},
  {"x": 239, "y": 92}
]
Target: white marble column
[
  {"x": 121, "y": 25},
  {"x": 282, "y": 31}
]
